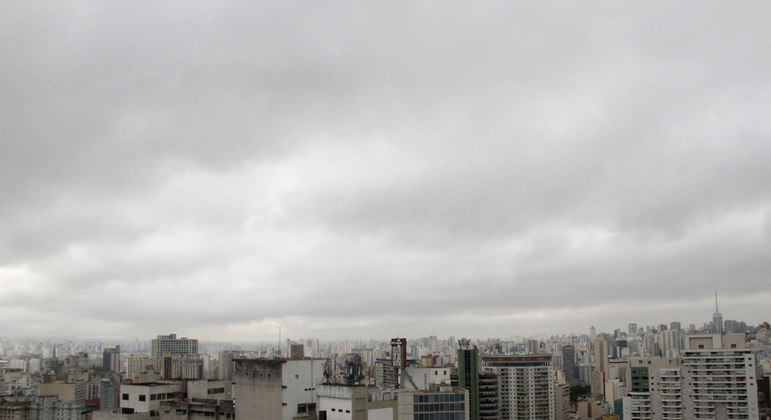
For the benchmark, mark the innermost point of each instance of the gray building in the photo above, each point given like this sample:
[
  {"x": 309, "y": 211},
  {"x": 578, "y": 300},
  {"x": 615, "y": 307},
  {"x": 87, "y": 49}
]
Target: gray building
[
  {"x": 277, "y": 388},
  {"x": 111, "y": 359},
  {"x": 569, "y": 364},
  {"x": 170, "y": 343}
]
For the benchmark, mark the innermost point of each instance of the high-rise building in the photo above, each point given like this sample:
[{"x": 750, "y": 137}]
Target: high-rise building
[
  {"x": 601, "y": 361},
  {"x": 561, "y": 401},
  {"x": 723, "y": 375},
  {"x": 526, "y": 384},
  {"x": 632, "y": 329},
  {"x": 296, "y": 351},
  {"x": 174, "y": 345},
  {"x": 489, "y": 398},
  {"x": 107, "y": 395},
  {"x": 569, "y": 364},
  {"x": 167, "y": 370},
  {"x": 717, "y": 320},
  {"x": 468, "y": 374},
  {"x": 111, "y": 359},
  {"x": 276, "y": 388},
  {"x": 671, "y": 343},
  {"x": 226, "y": 364},
  {"x": 714, "y": 379}
]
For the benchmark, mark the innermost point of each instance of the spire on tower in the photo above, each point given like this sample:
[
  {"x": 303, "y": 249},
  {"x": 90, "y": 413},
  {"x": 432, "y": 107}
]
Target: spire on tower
[{"x": 716, "y": 301}]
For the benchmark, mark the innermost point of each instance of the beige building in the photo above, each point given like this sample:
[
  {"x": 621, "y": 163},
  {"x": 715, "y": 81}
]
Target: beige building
[
  {"x": 526, "y": 385},
  {"x": 722, "y": 371},
  {"x": 139, "y": 364},
  {"x": 714, "y": 378},
  {"x": 65, "y": 392}
]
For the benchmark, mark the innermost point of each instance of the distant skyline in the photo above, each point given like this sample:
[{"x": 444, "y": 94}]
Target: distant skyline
[{"x": 381, "y": 168}]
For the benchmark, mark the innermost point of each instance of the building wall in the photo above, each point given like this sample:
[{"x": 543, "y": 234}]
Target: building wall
[
  {"x": 337, "y": 408},
  {"x": 145, "y": 398},
  {"x": 258, "y": 388},
  {"x": 275, "y": 388},
  {"x": 355, "y": 402},
  {"x": 423, "y": 377},
  {"x": 300, "y": 379},
  {"x": 66, "y": 392},
  {"x": 386, "y": 413}
]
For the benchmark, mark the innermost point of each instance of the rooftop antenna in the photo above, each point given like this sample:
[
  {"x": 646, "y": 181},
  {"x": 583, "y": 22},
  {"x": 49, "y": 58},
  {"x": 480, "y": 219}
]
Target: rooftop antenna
[{"x": 716, "y": 301}]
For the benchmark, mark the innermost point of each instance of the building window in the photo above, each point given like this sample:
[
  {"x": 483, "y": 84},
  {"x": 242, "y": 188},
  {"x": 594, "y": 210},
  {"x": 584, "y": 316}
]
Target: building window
[
  {"x": 142, "y": 398},
  {"x": 125, "y": 397}
]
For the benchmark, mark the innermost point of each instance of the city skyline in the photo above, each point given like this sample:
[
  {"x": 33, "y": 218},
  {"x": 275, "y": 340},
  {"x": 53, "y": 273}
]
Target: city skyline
[
  {"x": 514, "y": 336},
  {"x": 380, "y": 169}
]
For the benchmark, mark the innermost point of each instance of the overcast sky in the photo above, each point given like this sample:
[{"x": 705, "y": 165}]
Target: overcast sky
[{"x": 362, "y": 169}]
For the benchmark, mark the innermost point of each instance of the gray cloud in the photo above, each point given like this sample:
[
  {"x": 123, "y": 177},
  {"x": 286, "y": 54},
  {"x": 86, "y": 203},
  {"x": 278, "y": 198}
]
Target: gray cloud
[{"x": 349, "y": 169}]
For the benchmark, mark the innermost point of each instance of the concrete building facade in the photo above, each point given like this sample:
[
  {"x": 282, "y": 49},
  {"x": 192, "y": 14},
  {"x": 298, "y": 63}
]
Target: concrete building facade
[
  {"x": 343, "y": 402},
  {"x": 714, "y": 378},
  {"x": 276, "y": 388},
  {"x": 526, "y": 384}
]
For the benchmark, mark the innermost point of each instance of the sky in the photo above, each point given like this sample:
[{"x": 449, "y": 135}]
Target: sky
[{"x": 372, "y": 169}]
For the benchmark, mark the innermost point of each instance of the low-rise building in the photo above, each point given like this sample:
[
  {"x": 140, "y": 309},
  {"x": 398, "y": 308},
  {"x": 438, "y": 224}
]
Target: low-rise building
[
  {"x": 346, "y": 402},
  {"x": 439, "y": 402},
  {"x": 147, "y": 397}
]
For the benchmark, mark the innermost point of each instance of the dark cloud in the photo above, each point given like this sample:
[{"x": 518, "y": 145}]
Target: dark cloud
[{"x": 221, "y": 168}]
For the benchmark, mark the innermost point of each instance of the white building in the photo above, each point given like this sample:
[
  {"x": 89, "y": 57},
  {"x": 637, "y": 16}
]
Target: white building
[
  {"x": 714, "y": 378},
  {"x": 526, "y": 385},
  {"x": 343, "y": 402},
  {"x": 147, "y": 397},
  {"x": 417, "y": 378},
  {"x": 722, "y": 371}
]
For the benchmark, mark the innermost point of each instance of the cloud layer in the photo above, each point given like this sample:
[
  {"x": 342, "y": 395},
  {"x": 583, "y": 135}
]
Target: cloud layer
[{"x": 357, "y": 170}]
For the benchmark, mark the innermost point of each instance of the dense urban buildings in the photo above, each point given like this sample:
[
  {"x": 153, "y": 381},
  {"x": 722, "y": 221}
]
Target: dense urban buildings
[{"x": 661, "y": 371}]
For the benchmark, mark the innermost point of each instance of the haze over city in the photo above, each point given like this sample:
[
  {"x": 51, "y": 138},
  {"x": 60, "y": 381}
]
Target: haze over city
[{"x": 381, "y": 169}]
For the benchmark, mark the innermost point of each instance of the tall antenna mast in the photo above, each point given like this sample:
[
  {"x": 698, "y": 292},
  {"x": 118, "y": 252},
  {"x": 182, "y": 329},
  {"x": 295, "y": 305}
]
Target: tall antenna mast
[
  {"x": 716, "y": 301},
  {"x": 279, "y": 340}
]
